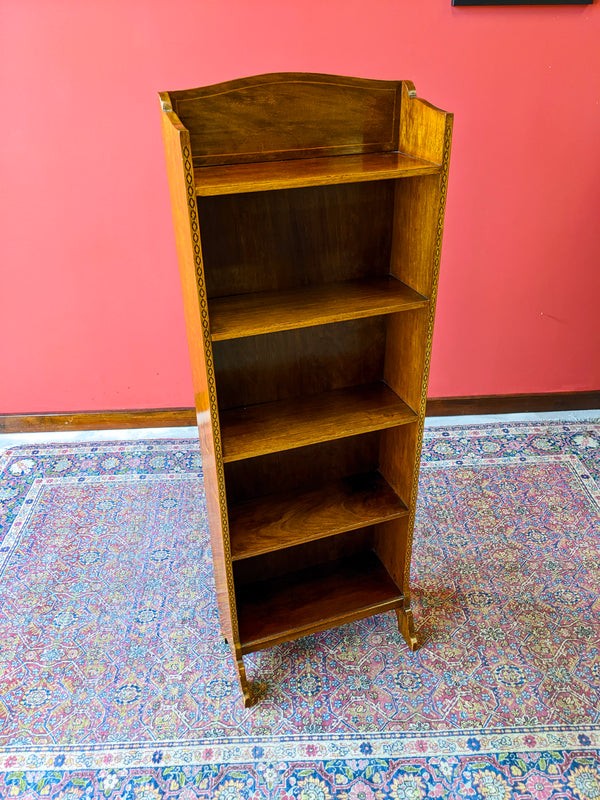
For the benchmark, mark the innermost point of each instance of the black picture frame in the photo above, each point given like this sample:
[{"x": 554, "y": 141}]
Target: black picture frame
[{"x": 522, "y": 2}]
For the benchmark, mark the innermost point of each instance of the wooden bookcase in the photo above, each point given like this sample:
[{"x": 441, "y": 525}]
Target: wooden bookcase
[{"x": 308, "y": 213}]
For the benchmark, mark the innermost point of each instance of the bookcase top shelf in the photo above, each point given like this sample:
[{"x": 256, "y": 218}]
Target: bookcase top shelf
[{"x": 296, "y": 173}]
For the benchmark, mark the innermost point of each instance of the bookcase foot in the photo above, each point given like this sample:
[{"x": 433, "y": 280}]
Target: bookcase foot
[
  {"x": 406, "y": 626},
  {"x": 249, "y": 698}
]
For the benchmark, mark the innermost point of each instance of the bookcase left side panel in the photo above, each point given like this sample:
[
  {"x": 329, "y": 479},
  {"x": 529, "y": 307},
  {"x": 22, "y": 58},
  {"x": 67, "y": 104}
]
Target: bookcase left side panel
[{"x": 189, "y": 252}]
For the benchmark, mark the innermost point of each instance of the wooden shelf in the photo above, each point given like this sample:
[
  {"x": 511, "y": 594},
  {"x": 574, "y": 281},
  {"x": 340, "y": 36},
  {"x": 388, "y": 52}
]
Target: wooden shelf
[
  {"x": 266, "y": 312},
  {"x": 282, "y": 520},
  {"x": 298, "y": 421},
  {"x": 313, "y": 599},
  {"x": 328, "y": 170}
]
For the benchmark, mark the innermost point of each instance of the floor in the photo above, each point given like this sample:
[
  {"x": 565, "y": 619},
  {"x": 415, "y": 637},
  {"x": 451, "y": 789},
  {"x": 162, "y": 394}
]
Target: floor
[
  {"x": 13, "y": 439},
  {"x": 502, "y": 621}
]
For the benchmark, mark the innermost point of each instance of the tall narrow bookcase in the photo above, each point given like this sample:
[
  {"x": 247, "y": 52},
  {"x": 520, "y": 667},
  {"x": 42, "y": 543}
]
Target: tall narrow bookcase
[{"x": 308, "y": 213}]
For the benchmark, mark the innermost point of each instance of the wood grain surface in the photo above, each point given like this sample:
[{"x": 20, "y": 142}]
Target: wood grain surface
[
  {"x": 265, "y": 312},
  {"x": 326, "y": 171},
  {"x": 289, "y": 115},
  {"x": 311, "y": 600},
  {"x": 304, "y": 361},
  {"x": 270, "y": 427},
  {"x": 316, "y": 250},
  {"x": 302, "y": 469},
  {"x": 296, "y": 238},
  {"x": 290, "y": 518}
]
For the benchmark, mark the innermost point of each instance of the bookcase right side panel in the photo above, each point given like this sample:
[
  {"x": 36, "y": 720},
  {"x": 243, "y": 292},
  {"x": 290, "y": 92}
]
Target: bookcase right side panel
[{"x": 418, "y": 220}]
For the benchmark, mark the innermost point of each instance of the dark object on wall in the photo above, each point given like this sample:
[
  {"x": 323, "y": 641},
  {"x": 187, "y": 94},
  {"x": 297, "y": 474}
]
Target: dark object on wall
[{"x": 522, "y": 2}]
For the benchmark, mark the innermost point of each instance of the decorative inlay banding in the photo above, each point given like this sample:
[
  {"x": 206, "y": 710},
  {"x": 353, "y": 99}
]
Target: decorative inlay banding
[{"x": 212, "y": 388}]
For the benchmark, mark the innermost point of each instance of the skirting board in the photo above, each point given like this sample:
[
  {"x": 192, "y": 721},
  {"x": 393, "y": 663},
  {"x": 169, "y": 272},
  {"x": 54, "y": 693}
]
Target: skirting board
[
  {"x": 177, "y": 417},
  {"x": 512, "y": 403}
]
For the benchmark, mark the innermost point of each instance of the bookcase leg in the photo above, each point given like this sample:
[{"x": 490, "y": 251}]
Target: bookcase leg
[
  {"x": 406, "y": 626},
  {"x": 249, "y": 699}
]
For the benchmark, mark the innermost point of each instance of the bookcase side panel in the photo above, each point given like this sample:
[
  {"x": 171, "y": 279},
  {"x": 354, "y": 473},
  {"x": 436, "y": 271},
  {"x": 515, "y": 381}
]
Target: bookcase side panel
[
  {"x": 390, "y": 542},
  {"x": 397, "y": 457},
  {"x": 414, "y": 236},
  {"x": 405, "y": 354},
  {"x": 425, "y": 132},
  {"x": 187, "y": 239},
  {"x": 423, "y": 128}
]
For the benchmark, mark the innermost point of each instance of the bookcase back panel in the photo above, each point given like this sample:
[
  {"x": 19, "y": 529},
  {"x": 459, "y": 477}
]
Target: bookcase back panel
[
  {"x": 303, "y": 468},
  {"x": 276, "y": 366},
  {"x": 287, "y": 116},
  {"x": 311, "y": 554},
  {"x": 295, "y": 237}
]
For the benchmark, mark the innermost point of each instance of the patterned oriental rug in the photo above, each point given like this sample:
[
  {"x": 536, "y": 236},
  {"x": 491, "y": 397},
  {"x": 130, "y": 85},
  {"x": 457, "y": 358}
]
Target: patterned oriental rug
[{"x": 115, "y": 682}]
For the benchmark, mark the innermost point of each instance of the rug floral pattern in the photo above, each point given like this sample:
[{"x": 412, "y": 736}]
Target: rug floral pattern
[{"x": 115, "y": 682}]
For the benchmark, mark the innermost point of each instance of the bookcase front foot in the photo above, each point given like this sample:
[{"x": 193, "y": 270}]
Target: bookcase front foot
[
  {"x": 406, "y": 626},
  {"x": 249, "y": 698}
]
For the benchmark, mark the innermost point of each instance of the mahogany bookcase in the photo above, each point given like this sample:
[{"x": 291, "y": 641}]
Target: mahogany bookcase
[{"x": 308, "y": 213}]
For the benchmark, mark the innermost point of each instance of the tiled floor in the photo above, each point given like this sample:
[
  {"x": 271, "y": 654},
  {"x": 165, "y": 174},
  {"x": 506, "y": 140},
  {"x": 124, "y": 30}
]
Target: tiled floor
[{"x": 12, "y": 439}]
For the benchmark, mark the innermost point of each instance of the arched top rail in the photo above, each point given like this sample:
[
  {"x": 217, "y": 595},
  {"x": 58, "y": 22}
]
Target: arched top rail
[{"x": 289, "y": 115}]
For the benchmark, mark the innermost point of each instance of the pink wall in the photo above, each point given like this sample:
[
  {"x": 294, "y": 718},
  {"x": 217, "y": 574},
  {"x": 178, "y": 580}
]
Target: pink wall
[{"x": 90, "y": 311}]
